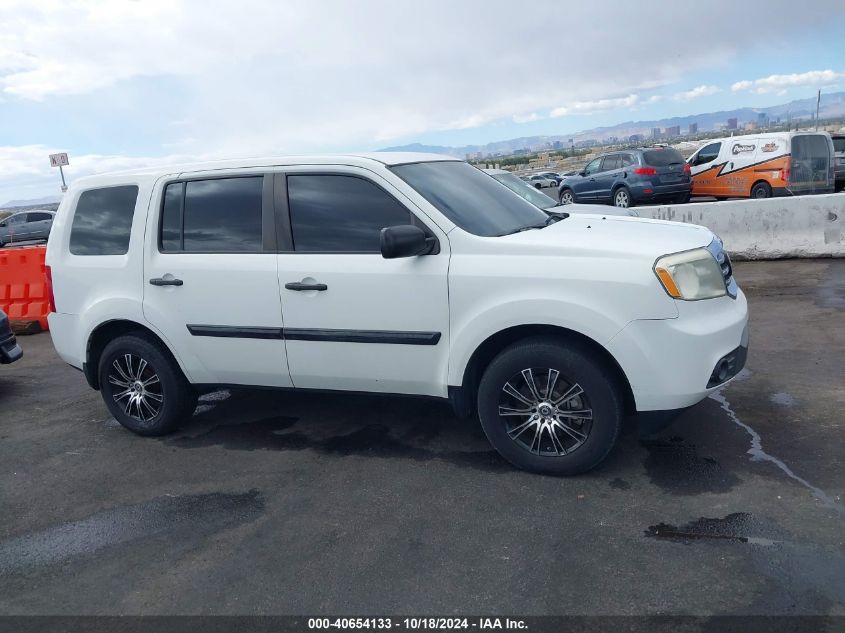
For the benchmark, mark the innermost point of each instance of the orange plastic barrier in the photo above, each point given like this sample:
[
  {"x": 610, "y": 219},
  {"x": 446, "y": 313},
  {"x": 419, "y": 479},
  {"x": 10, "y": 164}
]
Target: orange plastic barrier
[{"x": 24, "y": 294}]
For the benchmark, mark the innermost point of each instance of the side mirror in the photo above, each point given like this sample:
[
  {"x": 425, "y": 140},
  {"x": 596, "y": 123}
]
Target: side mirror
[
  {"x": 405, "y": 240},
  {"x": 582, "y": 173}
]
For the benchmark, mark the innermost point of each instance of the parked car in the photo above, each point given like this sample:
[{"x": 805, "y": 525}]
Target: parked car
[
  {"x": 630, "y": 177},
  {"x": 553, "y": 176},
  {"x": 540, "y": 182},
  {"x": 399, "y": 273},
  {"x": 839, "y": 151},
  {"x": 764, "y": 165},
  {"x": 26, "y": 226},
  {"x": 10, "y": 351},
  {"x": 542, "y": 201}
]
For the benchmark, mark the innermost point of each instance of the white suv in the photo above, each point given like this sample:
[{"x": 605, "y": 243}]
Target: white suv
[{"x": 395, "y": 273}]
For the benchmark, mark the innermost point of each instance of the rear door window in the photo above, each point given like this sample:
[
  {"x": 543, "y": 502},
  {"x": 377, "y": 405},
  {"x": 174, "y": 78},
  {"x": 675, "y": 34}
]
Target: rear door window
[
  {"x": 218, "y": 215},
  {"x": 628, "y": 160},
  {"x": 102, "y": 223},
  {"x": 810, "y": 158},
  {"x": 612, "y": 162},
  {"x": 839, "y": 145},
  {"x": 38, "y": 217}
]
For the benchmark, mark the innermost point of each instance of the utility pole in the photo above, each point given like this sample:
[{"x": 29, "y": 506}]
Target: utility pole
[{"x": 818, "y": 102}]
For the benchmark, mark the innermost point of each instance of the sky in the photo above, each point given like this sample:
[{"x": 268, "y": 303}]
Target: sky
[{"x": 120, "y": 84}]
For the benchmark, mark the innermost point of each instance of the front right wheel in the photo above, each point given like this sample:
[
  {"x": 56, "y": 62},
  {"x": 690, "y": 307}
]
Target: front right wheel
[
  {"x": 550, "y": 407},
  {"x": 566, "y": 197}
]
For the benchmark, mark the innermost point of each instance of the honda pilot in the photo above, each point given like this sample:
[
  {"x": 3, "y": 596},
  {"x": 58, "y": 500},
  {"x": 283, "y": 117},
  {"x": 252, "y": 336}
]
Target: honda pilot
[{"x": 396, "y": 273}]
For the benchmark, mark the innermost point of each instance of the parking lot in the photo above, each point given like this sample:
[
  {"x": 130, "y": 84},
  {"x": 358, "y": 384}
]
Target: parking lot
[{"x": 269, "y": 502}]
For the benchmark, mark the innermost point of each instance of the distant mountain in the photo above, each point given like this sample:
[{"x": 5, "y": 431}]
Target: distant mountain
[
  {"x": 832, "y": 106},
  {"x": 31, "y": 203}
]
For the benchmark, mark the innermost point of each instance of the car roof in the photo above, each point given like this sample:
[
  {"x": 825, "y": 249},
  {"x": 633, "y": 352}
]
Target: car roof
[
  {"x": 364, "y": 159},
  {"x": 32, "y": 211},
  {"x": 495, "y": 172}
]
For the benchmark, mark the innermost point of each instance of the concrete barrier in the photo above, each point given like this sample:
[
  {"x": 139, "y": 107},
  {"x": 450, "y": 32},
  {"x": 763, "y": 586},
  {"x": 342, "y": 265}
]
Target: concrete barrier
[{"x": 804, "y": 226}]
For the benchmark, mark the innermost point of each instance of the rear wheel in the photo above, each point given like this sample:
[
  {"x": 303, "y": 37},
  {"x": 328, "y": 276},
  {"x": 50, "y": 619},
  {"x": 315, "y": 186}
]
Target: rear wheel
[
  {"x": 682, "y": 199},
  {"x": 622, "y": 198},
  {"x": 549, "y": 408},
  {"x": 143, "y": 387},
  {"x": 761, "y": 190},
  {"x": 566, "y": 197}
]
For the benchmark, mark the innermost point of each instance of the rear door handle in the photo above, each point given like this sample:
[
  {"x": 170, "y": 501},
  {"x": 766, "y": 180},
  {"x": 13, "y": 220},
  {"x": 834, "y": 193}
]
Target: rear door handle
[
  {"x": 158, "y": 281},
  {"x": 298, "y": 285}
]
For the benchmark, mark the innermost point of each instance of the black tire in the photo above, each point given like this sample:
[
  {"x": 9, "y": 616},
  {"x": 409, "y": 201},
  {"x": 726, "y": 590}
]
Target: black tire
[
  {"x": 682, "y": 199},
  {"x": 562, "y": 195},
  {"x": 177, "y": 398},
  {"x": 761, "y": 190},
  {"x": 538, "y": 186},
  {"x": 577, "y": 367},
  {"x": 616, "y": 199}
]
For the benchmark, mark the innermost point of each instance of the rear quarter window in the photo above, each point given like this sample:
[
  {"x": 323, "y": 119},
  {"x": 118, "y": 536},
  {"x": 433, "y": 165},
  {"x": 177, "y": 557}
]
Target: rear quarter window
[
  {"x": 662, "y": 157},
  {"x": 102, "y": 223}
]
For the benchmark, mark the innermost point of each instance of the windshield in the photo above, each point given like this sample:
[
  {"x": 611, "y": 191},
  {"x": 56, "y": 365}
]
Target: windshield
[
  {"x": 528, "y": 192},
  {"x": 470, "y": 198}
]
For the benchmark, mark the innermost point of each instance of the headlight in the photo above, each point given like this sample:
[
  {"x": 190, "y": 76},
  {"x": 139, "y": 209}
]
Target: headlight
[{"x": 691, "y": 275}]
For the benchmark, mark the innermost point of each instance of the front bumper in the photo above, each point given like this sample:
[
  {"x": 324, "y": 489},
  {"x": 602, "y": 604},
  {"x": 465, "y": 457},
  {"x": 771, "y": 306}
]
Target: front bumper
[{"x": 670, "y": 362}]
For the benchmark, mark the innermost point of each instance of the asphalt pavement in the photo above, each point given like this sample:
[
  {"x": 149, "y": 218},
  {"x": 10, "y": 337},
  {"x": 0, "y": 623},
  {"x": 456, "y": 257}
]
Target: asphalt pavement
[{"x": 283, "y": 503}]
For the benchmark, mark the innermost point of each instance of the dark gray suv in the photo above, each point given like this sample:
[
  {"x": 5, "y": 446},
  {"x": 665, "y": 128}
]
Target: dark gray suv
[
  {"x": 26, "y": 226},
  {"x": 629, "y": 177}
]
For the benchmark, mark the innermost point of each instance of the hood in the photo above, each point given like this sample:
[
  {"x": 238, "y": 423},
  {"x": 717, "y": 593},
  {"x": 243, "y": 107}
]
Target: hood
[{"x": 615, "y": 236}]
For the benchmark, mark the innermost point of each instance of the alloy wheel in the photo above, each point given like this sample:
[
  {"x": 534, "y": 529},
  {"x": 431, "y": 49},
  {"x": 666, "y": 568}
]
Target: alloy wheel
[
  {"x": 566, "y": 198},
  {"x": 138, "y": 387},
  {"x": 621, "y": 199},
  {"x": 544, "y": 413}
]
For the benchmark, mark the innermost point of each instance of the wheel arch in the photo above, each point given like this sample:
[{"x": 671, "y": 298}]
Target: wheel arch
[
  {"x": 107, "y": 331},
  {"x": 463, "y": 396},
  {"x": 760, "y": 181}
]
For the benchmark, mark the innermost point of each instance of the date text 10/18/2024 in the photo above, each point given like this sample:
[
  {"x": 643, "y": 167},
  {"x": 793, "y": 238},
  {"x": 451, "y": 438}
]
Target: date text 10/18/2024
[{"x": 436, "y": 624}]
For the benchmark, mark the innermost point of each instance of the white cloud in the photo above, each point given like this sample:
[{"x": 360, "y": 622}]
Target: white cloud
[
  {"x": 279, "y": 77},
  {"x": 525, "y": 118},
  {"x": 26, "y": 170},
  {"x": 598, "y": 105},
  {"x": 695, "y": 93},
  {"x": 779, "y": 84}
]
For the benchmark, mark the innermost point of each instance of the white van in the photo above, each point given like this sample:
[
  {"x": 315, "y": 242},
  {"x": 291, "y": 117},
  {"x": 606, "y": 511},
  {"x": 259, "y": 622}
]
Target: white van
[
  {"x": 394, "y": 273},
  {"x": 764, "y": 165}
]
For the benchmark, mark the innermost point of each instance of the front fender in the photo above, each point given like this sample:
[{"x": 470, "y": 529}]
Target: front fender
[{"x": 468, "y": 334}]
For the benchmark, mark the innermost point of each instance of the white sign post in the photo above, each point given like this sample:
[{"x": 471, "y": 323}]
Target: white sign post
[{"x": 59, "y": 160}]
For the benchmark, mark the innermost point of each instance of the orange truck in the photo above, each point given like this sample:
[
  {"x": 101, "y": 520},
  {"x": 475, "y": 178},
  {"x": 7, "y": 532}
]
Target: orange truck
[{"x": 764, "y": 165}]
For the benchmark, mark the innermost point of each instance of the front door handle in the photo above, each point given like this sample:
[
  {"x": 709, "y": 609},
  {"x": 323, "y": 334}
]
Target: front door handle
[
  {"x": 159, "y": 281},
  {"x": 298, "y": 285}
]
